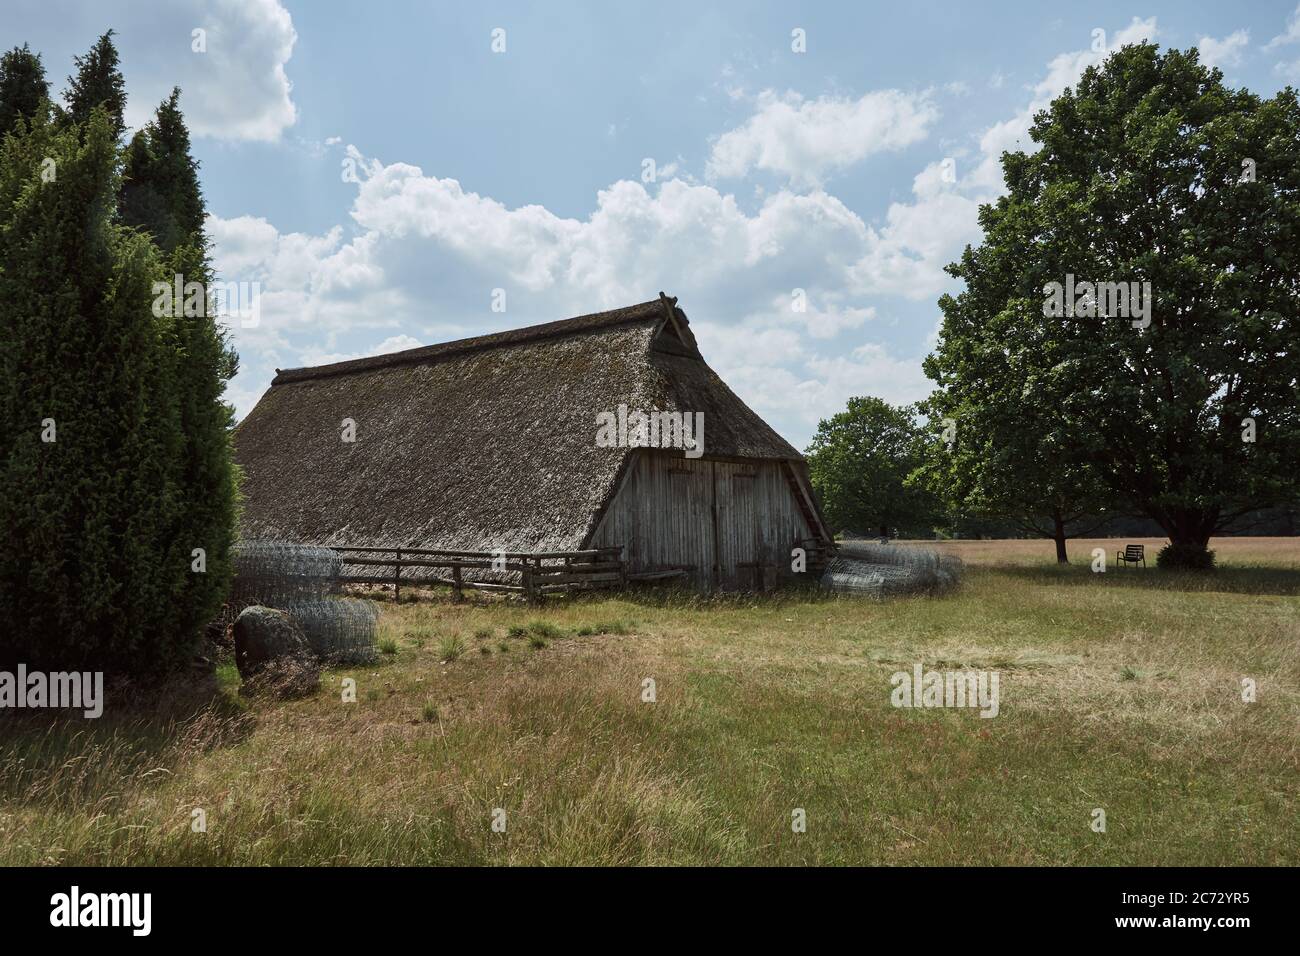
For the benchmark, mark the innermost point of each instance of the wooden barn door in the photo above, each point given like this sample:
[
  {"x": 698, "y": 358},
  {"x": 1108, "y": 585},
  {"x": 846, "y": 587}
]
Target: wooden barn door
[{"x": 737, "y": 526}]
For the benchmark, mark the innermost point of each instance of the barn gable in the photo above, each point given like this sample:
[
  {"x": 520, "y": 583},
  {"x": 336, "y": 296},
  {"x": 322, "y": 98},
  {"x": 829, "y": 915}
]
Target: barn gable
[{"x": 481, "y": 443}]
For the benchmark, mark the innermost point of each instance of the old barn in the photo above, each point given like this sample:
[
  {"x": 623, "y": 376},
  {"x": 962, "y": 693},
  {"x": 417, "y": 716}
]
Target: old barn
[{"x": 491, "y": 443}]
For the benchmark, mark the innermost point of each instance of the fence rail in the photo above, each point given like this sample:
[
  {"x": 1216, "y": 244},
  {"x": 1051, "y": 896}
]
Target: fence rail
[{"x": 538, "y": 572}]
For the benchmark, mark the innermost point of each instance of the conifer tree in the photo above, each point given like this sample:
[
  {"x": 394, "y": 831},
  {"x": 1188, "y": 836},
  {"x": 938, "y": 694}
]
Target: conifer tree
[
  {"x": 98, "y": 83},
  {"x": 23, "y": 90},
  {"x": 91, "y": 571},
  {"x": 161, "y": 196}
]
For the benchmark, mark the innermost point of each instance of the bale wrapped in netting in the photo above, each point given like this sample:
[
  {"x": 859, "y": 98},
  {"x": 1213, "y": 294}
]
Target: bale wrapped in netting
[
  {"x": 882, "y": 570},
  {"x": 279, "y": 573},
  {"x": 339, "y": 630}
]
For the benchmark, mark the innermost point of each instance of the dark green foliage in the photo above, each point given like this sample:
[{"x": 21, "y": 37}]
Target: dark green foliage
[
  {"x": 160, "y": 181},
  {"x": 23, "y": 90},
  {"x": 91, "y": 572},
  {"x": 161, "y": 196},
  {"x": 103, "y": 524},
  {"x": 1185, "y": 557},
  {"x": 1013, "y": 465},
  {"x": 1139, "y": 179},
  {"x": 207, "y": 475},
  {"x": 98, "y": 83},
  {"x": 861, "y": 462}
]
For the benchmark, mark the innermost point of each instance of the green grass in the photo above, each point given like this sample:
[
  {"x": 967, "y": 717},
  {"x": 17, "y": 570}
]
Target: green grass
[
  {"x": 451, "y": 647},
  {"x": 1119, "y": 691}
]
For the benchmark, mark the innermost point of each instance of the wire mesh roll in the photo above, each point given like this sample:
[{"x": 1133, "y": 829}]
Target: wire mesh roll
[
  {"x": 279, "y": 573},
  {"x": 881, "y": 570},
  {"x": 340, "y": 630}
]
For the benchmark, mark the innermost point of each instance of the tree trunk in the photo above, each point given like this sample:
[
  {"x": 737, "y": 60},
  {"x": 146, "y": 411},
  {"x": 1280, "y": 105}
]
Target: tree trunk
[
  {"x": 1189, "y": 530},
  {"x": 1058, "y": 535}
]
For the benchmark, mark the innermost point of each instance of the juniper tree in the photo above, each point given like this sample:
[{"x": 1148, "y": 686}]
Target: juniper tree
[
  {"x": 161, "y": 196},
  {"x": 98, "y": 83},
  {"x": 91, "y": 571},
  {"x": 160, "y": 181},
  {"x": 23, "y": 90},
  {"x": 1150, "y": 170}
]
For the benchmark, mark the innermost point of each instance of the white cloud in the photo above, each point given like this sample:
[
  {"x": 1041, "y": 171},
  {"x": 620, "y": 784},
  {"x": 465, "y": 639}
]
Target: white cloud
[
  {"x": 1225, "y": 52},
  {"x": 1289, "y": 70},
  {"x": 806, "y": 140},
  {"x": 422, "y": 255},
  {"x": 907, "y": 254},
  {"x": 1292, "y": 34},
  {"x": 427, "y": 253},
  {"x": 394, "y": 343},
  {"x": 237, "y": 90}
]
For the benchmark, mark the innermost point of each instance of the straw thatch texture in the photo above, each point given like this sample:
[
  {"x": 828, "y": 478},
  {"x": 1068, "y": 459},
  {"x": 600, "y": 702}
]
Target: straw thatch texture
[{"x": 479, "y": 444}]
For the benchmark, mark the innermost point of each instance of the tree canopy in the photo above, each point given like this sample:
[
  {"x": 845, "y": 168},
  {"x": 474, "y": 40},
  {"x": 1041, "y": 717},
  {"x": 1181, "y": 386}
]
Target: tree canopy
[
  {"x": 860, "y": 462},
  {"x": 1156, "y": 180}
]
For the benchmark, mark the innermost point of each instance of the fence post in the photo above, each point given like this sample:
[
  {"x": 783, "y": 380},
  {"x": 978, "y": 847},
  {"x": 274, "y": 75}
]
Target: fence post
[
  {"x": 397, "y": 578},
  {"x": 529, "y": 592},
  {"x": 456, "y": 594}
]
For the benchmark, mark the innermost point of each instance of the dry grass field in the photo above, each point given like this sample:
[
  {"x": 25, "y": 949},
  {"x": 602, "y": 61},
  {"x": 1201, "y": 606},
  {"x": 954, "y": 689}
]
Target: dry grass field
[{"x": 1119, "y": 691}]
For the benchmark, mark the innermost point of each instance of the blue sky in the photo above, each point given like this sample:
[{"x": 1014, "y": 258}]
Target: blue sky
[{"x": 526, "y": 170}]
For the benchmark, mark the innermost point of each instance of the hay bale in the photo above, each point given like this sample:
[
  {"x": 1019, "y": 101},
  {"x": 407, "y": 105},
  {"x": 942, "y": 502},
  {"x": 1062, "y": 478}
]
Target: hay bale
[{"x": 264, "y": 634}]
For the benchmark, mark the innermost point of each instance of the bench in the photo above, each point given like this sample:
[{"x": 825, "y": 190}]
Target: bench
[{"x": 1132, "y": 554}]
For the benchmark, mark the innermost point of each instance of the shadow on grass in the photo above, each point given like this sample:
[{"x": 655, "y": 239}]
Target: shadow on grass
[
  {"x": 1226, "y": 579},
  {"x": 57, "y": 759}
]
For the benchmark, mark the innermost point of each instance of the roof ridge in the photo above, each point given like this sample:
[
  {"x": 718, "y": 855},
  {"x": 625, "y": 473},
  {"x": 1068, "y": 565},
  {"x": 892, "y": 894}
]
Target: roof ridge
[{"x": 577, "y": 325}]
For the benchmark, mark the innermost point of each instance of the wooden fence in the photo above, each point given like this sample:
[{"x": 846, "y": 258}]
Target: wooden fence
[{"x": 539, "y": 572}]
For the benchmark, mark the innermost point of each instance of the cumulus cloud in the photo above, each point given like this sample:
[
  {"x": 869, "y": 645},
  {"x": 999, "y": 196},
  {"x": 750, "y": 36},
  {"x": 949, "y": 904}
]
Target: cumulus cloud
[
  {"x": 426, "y": 255},
  {"x": 235, "y": 88},
  {"x": 807, "y": 140},
  {"x": 1288, "y": 69},
  {"x": 1291, "y": 35},
  {"x": 423, "y": 256},
  {"x": 394, "y": 343},
  {"x": 907, "y": 253},
  {"x": 1225, "y": 52}
]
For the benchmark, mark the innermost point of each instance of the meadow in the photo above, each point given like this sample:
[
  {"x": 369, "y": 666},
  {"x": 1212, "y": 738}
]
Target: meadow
[{"x": 1120, "y": 691}]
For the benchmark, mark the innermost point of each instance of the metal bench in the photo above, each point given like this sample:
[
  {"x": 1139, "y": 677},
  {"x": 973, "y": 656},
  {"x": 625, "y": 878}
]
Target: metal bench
[{"x": 1132, "y": 554}]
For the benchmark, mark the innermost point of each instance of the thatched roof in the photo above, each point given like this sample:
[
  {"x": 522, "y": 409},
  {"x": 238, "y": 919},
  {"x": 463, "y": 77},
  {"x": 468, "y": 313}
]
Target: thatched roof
[{"x": 481, "y": 443}]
